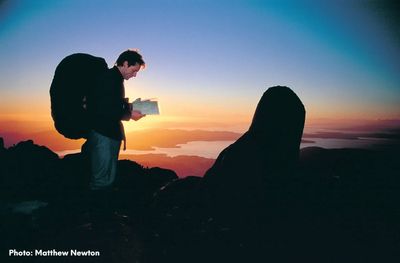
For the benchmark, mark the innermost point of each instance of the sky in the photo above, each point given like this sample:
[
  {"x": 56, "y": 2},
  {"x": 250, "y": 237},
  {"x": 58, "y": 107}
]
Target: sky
[{"x": 208, "y": 62}]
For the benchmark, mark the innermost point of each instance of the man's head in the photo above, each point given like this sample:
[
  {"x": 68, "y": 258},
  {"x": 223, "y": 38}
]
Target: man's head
[{"x": 129, "y": 63}]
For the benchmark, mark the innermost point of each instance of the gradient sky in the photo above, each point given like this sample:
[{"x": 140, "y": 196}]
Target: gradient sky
[{"x": 208, "y": 62}]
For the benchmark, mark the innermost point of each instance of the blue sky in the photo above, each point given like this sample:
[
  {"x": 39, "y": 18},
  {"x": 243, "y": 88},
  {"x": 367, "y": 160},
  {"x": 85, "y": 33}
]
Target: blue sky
[{"x": 209, "y": 59}]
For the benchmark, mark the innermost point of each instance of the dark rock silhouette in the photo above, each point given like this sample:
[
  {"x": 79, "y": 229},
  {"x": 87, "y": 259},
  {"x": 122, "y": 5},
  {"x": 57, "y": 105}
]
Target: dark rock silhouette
[
  {"x": 45, "y": 200},
  {"x": 260, "y": 202},
  {"x": 27, "y": 169},
  {"x": 249, "y": 181},
  {"x": 176, "y": 222},
  {"x": 238, "y": 194},
  {"x": 2, "y": 144},
  {"x": 267, "y": 153},
  {"x": 359, "y": 195},
  {"x": 135, "y": 185}
]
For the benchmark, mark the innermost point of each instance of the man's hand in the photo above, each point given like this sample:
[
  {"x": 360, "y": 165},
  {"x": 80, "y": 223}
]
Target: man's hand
[{"x": 137, "y": 115}]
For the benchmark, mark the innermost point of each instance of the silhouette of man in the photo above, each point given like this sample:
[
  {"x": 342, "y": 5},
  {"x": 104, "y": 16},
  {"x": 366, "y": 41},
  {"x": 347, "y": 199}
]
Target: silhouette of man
[{"x": 107, "y": 106}]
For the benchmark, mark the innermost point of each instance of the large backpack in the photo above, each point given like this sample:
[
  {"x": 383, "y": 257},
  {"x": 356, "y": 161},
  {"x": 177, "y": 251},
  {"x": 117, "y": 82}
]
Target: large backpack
[{"x": 73, "y": 78}]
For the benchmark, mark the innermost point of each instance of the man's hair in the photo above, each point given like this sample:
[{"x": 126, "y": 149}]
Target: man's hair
[{"x": 132, "y": 57}]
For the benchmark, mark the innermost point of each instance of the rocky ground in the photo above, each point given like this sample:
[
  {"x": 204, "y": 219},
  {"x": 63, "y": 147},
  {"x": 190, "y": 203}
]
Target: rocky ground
[{"x": 342, "y": 207}]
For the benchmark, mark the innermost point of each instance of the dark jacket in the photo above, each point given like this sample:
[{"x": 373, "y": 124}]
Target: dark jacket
[{"x": 107, "y": 105}]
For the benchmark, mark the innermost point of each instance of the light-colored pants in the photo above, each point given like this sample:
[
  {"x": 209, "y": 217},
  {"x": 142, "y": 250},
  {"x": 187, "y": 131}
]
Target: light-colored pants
[{"x": 103, "y": 156}]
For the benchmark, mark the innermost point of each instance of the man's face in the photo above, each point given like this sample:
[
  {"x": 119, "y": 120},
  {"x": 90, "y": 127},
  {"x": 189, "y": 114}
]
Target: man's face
[{"x": 129, "y": 71}]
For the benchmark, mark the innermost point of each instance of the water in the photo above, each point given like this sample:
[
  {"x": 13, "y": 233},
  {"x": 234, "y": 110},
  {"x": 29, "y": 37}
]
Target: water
[
  {"x": 206, "y": 149},
  {"x": 361, "y": 143},
  {"x": 211, "y": 149}
]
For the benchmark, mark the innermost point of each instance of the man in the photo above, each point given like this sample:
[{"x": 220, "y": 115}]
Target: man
[{"x": 107, "y": 106}]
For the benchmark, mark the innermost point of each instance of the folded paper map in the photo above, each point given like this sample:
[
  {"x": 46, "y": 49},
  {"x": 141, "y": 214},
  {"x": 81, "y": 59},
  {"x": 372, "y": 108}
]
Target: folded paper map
[{"x": 148, "y": 107}]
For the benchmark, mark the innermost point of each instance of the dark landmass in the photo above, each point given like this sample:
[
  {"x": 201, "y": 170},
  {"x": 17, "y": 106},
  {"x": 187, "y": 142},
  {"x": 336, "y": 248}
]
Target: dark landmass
[
  {"x": 43, "y": 205},
  {"x": 183, "y": 165}
]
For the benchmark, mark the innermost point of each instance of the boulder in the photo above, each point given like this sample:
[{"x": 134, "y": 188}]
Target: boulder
[
  {"x": 250, "y": 171},
  {"x": 29, "y": 172}
]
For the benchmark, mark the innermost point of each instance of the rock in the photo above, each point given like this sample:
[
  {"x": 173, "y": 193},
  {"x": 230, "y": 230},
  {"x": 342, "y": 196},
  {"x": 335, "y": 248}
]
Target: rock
[
  {"x": 135, "y": 185},
  {"x": 29, "y": 172},
  {"x": 176, "y": 222},
  {"x": 227, "y": 212},
  {"x": 248, "y": 172},
  {"x": 159, "y": 177}
]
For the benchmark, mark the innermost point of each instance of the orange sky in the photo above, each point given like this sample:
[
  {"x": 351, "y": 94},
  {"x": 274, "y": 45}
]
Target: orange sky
[{"x": 33, "y": 115}]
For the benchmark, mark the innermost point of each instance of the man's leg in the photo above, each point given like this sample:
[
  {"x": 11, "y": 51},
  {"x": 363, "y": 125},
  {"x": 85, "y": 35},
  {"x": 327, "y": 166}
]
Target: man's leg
[{"x": 103, "y": 158}]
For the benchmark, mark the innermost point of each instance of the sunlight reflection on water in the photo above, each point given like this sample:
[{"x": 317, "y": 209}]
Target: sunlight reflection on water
[
  {"x": 211, "y": 149},
  {"x": 206, "y": 149}
]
